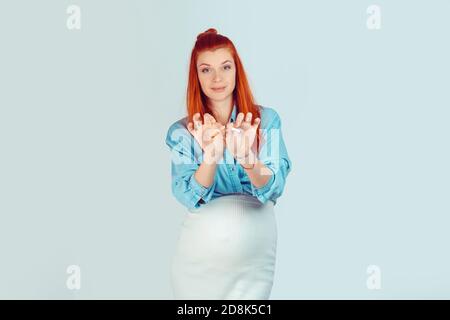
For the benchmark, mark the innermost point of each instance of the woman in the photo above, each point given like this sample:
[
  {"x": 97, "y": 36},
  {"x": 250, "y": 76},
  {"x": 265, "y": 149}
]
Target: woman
[{"x": 229, "y": 165}]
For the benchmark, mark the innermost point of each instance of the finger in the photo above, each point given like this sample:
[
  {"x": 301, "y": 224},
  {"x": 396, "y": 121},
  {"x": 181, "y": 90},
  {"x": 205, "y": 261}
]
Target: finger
[
  {"x": 190, "y": 127},
  {"x": 197, "y": 121},
  {"x": 248, "y": 117},
  {"x": 209, "y": 119},
  {"x": 196, "y": 117},
  {"x": 256, "y": 123},
  {"x": 239, "y": 119},
  {"x": 247, "y": 123},
  {"x": 206, "y": 119}
]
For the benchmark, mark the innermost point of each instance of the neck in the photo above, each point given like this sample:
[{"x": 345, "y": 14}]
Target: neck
[{"x": 221, "y": 110}]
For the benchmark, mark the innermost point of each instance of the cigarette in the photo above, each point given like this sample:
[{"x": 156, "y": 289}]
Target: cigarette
[{"x": 235, "y": 130}]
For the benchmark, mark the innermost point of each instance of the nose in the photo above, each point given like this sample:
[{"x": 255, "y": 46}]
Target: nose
[{"x": 217, "y": 77}]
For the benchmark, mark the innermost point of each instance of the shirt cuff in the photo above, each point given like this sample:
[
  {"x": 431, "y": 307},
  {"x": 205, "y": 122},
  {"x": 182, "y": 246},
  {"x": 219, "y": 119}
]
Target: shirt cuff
[
  {"x": 201, "y": 191},
  {"x": 261, "y": 191}
]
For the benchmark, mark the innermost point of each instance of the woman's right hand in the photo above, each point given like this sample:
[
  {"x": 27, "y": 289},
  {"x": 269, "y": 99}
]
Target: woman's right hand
[{"x": 210, "y": 135}]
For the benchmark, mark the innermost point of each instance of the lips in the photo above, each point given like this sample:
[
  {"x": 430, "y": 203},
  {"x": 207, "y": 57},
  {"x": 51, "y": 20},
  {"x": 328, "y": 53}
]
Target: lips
[{"x": 218, "y": 88}]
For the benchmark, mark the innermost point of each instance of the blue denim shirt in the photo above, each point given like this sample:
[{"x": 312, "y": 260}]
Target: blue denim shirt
[{"x": 230, "y": 177}]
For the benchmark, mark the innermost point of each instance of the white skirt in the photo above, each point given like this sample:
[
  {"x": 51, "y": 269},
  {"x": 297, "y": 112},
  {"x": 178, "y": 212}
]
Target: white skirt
[{"x": 226, "y": 250}]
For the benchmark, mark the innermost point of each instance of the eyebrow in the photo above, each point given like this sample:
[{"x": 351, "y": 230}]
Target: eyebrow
[{"x": 210, "y": 65}]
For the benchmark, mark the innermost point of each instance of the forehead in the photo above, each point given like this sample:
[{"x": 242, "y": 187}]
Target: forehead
[{"x": 215, "y": 57}]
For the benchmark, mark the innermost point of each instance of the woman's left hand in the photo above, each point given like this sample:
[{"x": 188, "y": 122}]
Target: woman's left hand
[{"x": 241, "y": 135}]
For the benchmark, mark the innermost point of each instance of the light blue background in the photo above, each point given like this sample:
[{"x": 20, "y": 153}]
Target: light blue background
[{"x": 85, "y": 173}]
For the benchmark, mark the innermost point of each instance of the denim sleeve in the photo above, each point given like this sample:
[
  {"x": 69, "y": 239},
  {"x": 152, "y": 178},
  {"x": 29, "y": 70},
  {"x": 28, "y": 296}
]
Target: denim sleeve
[
  {"x": 186, "y": 189},
  {"x": 273, "y": 154}
]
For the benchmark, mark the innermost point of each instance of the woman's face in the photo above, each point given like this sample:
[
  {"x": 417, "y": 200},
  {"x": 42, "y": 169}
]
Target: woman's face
[{"x": 216, "y": 69}]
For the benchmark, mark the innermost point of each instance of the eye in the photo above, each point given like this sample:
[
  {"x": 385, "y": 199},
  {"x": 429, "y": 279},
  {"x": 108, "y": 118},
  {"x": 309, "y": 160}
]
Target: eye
[
  {"x": 203, "y": 71},
  {"x": 227, "y": 66}
]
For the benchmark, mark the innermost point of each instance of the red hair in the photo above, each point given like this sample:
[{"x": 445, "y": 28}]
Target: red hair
[{"x": 196, "y": 100}]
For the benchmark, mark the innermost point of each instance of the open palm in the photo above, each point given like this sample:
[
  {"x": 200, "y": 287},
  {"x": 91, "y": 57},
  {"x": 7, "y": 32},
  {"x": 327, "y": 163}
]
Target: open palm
[
  {"x": 240, "y": 135},
  {"x": 209, "y": 134}
]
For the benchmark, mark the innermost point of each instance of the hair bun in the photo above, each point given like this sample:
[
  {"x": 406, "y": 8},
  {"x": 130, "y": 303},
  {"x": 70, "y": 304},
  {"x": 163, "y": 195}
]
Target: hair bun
[{"x": 210, "y": 30}]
